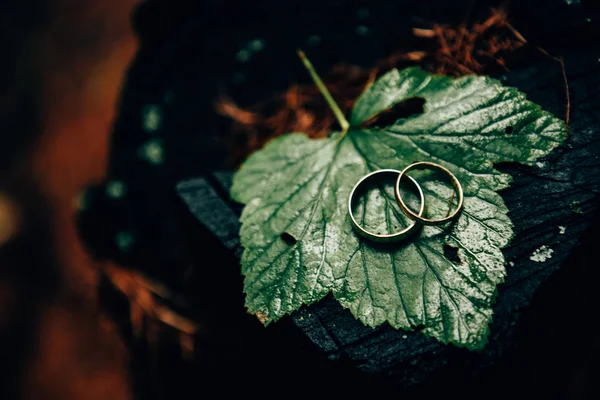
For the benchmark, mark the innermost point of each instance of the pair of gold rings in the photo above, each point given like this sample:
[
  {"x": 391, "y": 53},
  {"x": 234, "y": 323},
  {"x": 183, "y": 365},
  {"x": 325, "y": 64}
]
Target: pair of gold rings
[{"x": 417, "y": 217}]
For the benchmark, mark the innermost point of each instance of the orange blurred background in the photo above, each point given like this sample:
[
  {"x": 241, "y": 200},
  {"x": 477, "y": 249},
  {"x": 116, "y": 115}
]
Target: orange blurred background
[{"x": 82, "y": 53}]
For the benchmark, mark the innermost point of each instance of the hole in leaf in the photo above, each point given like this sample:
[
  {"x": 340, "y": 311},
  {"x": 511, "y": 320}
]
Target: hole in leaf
[
  {"x": 451, "y": 253},
  {"x": 288, "y": 239},
  {"x": 509, "y": 129},
  {"x": 404, "y": 109}
]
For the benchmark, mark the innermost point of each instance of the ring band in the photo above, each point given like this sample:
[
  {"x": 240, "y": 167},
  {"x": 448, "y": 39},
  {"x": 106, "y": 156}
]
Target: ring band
[
  {"x": 418, "y": 217},
  {"x": 390, "y": 237}
]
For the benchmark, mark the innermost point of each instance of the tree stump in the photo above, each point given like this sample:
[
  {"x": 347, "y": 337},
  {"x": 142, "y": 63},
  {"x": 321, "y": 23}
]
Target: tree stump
[{"x": 165, "y": 210}]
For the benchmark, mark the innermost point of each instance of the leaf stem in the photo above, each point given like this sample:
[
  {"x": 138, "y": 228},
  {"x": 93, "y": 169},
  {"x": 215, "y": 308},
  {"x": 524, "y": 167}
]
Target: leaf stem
[{"x": 339, "y": 115}]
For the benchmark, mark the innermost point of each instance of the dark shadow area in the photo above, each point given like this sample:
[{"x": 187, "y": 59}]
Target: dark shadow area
[{"x": 402, "y": 110}]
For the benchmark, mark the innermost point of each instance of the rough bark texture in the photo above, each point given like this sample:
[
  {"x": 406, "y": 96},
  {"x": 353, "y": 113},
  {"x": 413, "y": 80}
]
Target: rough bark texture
[{"x": 185, "y": 233}]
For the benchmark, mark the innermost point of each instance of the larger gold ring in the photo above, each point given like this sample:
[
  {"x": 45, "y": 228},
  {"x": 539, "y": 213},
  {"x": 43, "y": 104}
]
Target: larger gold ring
[
  {"x": 418, "y": 217},
  {"x": 383, "y": 238}
]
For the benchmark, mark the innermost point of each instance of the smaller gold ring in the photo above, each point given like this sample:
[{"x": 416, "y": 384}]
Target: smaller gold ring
[
  {"x": 418, "y": 217},
  {"x": 383, "y": 238}
]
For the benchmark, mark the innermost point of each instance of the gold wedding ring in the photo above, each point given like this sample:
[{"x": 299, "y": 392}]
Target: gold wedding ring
[
  {"x": 389, "y": 237},
  {"x": 418, "y": 218}
]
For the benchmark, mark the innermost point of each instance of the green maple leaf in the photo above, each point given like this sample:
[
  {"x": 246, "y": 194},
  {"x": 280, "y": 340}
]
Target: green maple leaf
[{"x": 299, "y": 244}]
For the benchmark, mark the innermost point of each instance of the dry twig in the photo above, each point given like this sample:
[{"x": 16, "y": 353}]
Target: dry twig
[{"x": 147, "y": 312}]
